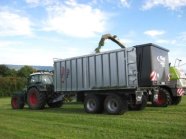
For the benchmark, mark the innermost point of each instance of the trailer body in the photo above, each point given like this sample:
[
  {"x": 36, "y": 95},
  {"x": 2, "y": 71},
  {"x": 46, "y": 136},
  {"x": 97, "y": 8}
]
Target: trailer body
[
  {"x": 110, "y": 70},
  {"x": 127, "y": 68},
  {"x": 133, "y": 71}
]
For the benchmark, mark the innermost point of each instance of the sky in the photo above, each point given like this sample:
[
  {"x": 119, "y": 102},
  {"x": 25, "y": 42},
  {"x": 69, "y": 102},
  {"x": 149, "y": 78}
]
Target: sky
[{"x": 35, "y": 32}]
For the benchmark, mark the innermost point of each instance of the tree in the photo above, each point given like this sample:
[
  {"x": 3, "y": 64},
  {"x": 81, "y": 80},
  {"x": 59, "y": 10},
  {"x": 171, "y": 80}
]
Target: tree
[
  {"x": 25, "y": 71},
  {"x": 4, "y": 70},
  {"x": 12, "y": 73}
]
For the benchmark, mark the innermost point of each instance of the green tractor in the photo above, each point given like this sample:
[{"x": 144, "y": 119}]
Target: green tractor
[
  {"x": 178, "y": 82},
  {"x": 39, "y": 92},
  {"x": 172, "y": 92}
]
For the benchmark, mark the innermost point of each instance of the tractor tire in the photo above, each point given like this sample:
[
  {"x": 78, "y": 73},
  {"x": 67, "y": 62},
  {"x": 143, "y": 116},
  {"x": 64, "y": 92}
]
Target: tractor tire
[
  {"x": 138, "y": 107},
  {"x": 18, "y": 101},
  {"x": 163, "y": 100},
  {"x": 115, "y": 104},
  {"x": 176, "y": 100},
  {"x": 57, "y": 104},
  {"x": 93, "y": 104},
  {"x": 35, "y": 99}
]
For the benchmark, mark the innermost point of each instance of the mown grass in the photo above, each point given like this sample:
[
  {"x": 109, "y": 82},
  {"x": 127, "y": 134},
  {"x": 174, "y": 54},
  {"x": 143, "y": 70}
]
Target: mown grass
[{"x": 71, "y": 122}]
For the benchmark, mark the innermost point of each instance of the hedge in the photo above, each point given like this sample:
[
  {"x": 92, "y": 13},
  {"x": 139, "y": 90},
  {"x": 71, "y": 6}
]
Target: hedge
[{"x": 9, "y": 85}]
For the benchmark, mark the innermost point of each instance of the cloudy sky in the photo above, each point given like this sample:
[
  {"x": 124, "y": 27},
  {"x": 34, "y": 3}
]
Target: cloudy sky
[{"x": 33, "y": 32}]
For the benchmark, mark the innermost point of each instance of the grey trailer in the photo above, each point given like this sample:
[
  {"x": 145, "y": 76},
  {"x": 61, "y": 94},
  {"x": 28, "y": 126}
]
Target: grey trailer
[
  {"x": 113, "y": 80},
  {"x": 101, "y": 81}
]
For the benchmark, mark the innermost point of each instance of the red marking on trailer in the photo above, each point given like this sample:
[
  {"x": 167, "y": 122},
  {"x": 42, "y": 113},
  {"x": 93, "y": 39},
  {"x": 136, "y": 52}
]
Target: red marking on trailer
[
  {"x": 62, "y": 74},
  {"x": 153, "y": 76}
]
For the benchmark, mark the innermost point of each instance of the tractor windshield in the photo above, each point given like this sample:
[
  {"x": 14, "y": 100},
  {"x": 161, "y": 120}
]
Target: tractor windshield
[{"x": 47, "y": 79}]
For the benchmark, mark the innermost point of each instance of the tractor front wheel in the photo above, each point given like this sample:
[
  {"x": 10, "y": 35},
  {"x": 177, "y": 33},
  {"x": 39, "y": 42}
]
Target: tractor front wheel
[{"x": 17, "y": 101}]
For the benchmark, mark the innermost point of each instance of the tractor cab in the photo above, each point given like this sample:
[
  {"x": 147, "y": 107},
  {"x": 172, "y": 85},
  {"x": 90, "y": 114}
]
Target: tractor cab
[
  {"x": 43, "y": 81},
  {"x": 178, "y": 78}
]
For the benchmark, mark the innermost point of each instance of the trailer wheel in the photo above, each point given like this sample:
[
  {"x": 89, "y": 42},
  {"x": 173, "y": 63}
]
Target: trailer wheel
[
  {"x": 176, "y": 100},
  {"x": 163, "y": 98},
  {"x": 36, "y": 99},
  {"x": 17, "y": 101},
  {"x": 115, "y": 104},
  {"x": 141, "y": 106},
  {"x": 93, "y": 104},
  {"x": 55, "y": 104}
]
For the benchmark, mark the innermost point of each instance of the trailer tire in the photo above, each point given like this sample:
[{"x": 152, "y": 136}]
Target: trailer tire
[
  {"x": 163, "y": 100},
  {"x": 93, "y": 104},
  {"x": 115, "y": 104},
  {"x": 17, "y": 101},
  {"x": 139, "y": 106},
  {"x": 176, "y": 100},
  {"x": 57, "y": 104},
  {"x": 36, "y": 99}
]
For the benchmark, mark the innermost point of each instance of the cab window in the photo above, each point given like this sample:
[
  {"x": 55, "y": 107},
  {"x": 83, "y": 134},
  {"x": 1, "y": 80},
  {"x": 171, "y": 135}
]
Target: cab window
[
  {"x": 34, "y": 79},
  {"x": 47, "y": 79}
]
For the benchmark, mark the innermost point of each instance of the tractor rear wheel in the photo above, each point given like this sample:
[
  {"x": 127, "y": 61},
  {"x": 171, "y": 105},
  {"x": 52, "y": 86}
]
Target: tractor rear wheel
[
  {"x": 163, "y": 99},
  {"x": 17, "y": 101},
  {"x": 36, "y": 99}
]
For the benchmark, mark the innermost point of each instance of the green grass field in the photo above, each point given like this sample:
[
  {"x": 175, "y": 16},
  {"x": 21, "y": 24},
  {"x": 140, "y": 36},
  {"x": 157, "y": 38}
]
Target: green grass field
[{"x": 71, "y": 122}]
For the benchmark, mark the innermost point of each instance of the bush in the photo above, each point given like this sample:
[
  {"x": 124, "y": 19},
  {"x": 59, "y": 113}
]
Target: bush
[{"x": 9, "y": 85}]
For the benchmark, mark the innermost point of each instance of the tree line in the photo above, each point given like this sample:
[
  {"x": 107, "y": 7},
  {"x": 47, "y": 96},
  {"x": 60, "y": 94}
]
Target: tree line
[{"x": 12, "y": 80}]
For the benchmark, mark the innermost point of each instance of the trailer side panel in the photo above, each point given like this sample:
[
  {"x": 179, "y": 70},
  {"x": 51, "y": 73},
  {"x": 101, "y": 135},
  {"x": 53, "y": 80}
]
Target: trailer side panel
[{"x": 109, "y": 70}]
